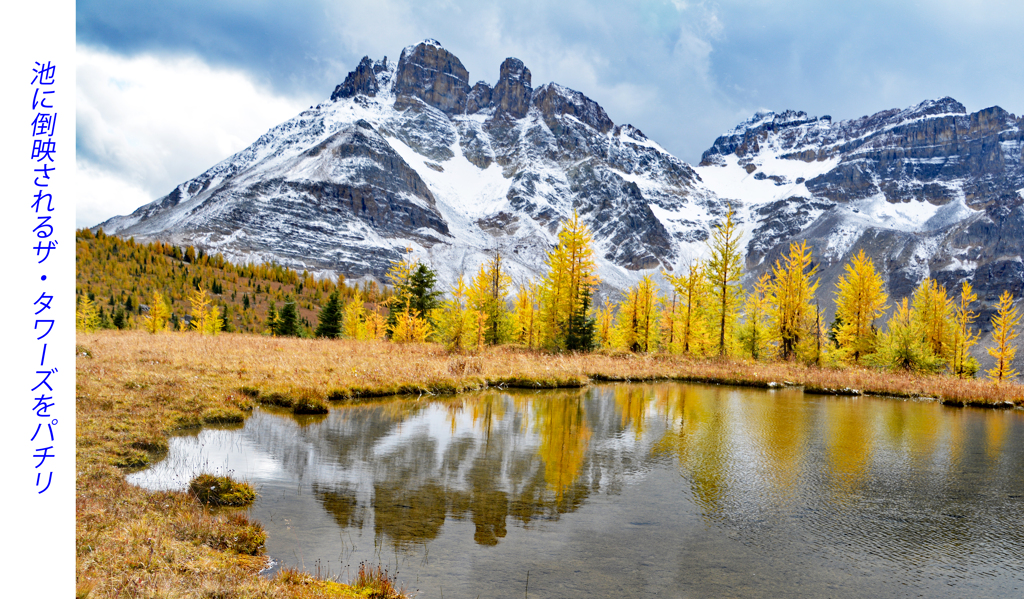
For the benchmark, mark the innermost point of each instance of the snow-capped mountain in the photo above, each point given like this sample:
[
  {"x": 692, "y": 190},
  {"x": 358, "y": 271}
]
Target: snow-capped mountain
[
  {"x": 410, "y": 155},
  {"x": 925, "y": 191}
]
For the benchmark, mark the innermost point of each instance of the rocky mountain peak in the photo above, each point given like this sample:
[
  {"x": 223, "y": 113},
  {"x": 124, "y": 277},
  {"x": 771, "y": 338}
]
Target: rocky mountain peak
[
  {"x": 368, "y": 79},
  {"x": 514, "y": 91},
  {"x": 944, "y": 105},
  {"x": 554, "y": 100},
  {"x": 427, "y": 72},
  {"x": 746, "y": 136}
]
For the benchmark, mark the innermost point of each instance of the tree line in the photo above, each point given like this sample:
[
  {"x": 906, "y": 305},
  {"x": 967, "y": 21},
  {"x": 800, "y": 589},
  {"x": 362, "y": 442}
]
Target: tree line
[{"x": 703, "y": 312}]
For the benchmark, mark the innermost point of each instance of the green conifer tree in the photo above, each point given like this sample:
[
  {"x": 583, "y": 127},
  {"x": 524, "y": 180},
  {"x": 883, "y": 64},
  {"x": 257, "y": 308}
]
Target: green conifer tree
[{"x": 330, "y": 318}]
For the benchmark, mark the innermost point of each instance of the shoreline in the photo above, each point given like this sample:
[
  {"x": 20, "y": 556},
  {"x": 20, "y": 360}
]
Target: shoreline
[{"x": 134, "y": 389}]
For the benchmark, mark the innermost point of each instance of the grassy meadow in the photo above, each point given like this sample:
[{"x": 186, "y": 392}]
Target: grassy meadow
[{"x": 135, "y": 388}]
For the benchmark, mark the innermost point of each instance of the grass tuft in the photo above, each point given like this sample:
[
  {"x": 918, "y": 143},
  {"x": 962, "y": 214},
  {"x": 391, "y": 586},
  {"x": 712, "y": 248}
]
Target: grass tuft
[
  {"x": 308, "y": 402},
  {"x": 376, "y": 582},
  {"x": 222, "y": 415},
  {"x": 221, "y": 490}
]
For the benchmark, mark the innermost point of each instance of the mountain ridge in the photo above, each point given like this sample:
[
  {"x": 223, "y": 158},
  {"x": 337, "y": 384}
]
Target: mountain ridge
[{"x": 408, "y": 154}]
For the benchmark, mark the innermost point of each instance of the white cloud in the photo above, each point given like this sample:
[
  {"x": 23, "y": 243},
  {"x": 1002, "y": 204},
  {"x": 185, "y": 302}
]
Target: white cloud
[{"x": 147, "y": 123}]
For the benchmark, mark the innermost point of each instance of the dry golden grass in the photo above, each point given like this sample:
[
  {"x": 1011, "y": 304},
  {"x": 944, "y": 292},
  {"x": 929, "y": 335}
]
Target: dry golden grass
[{"x": 135, "y": 388}]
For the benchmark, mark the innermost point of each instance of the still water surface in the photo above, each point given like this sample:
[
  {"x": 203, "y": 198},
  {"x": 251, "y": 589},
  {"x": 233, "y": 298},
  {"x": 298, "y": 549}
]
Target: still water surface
[{"x": 664, "y": 490}]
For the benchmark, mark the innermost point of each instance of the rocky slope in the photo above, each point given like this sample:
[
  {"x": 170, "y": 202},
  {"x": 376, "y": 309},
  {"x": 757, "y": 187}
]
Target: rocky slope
[
  {"x": 409, "y": 154},
  {"x": 926, "y": 191}
]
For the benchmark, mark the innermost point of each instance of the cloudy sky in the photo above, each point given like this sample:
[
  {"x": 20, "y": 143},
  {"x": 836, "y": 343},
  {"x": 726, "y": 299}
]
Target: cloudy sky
[{"x": 166, "y": 89}]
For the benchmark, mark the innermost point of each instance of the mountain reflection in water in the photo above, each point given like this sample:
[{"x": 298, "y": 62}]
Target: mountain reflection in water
[{"x": 638, "y": 490}]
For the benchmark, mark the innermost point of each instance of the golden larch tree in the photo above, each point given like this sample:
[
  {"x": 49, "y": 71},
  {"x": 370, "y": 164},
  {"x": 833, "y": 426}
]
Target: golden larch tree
[
  {"x": 87, "y": 316},
  {"x": 753, "y": 333},
  {"x": 724, "y": 269},
  {"x": 693, "y": 291},
  {"x": 1004, "y": 331},
  {"x": 964, "y": 337},
  {"x": 205, "y": 316},
  {"x": 525, "y": 315},
  {"x": 636, "y": 324},
  {"x": 568, "y": 283},
  {"x": 934, "y": 312},
  {"x": 790, "y": 313},
  {"x": 488, "y": 296},
  {"x": 860, "y": 300},
  {"x": 159, "y": 314}
]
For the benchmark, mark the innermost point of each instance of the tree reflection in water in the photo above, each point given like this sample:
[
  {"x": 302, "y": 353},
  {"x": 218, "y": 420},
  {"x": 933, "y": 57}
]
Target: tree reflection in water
[{"x": 887, "y": 486}]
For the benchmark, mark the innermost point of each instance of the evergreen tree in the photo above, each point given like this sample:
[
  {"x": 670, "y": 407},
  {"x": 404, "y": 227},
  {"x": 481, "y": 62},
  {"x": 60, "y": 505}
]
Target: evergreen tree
[
  {"x": 288, "y": 319},
  {"x": 330, "y": 318},
  {"x": 860, "y": 299},
  {"x": 414, "y": 299},
  {"x": 1004, "y": 331},
  {"x": 225, "y": 320},
  {"x": 272, "y": 319},
  {"x": 724, "y": 269},
  {"x": 119, "y": 321},
  {"x": 581, "y": 331}
]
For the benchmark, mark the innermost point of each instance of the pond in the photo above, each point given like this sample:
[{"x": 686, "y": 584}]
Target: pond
[{"x": 636, "y": 491}]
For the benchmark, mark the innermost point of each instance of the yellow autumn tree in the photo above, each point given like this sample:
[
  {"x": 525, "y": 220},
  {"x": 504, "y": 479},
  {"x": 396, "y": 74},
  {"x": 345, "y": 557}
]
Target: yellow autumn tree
[
  {"x": 414, "y": 299},
  {"x": 724, "y": 269},
  {"x": 692, "y": 289},
  {"x": 457, "y": 321},
  {"x": 934, "y": 312},
  {"x": 87, "y": 316},
  {"x": 205, "y": 315},
  {"x": 1004, "y": 331},
  {"x": 159, "y": 314},
  {"x": 754, "y": 331},
  {"x": 605, "y": 321},
  {"x": 567, "y": 287},
  {"x": 489, "y": 295},
  {"x": 860, "y": 300},
  {"x": 964, "y": 337},
  {"x": 903, "y": 346},
  {"x": 526, "y": 315},
  {"x": 790, "y": 314},
  {"x": 636, "y": 326},
  {"x": 668, "y": 320}
]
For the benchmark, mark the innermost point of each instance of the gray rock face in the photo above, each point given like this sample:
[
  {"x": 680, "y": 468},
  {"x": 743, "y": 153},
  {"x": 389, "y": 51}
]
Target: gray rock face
[
  {"x": 926, "y": 191},
  {"x": 363, "y": 80},
  {"x": 513, "y": 92},
  {"x": 479, "y": 97},
  {"x": 553, "y": 101},
  {"x": 430, "y": 73}
]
